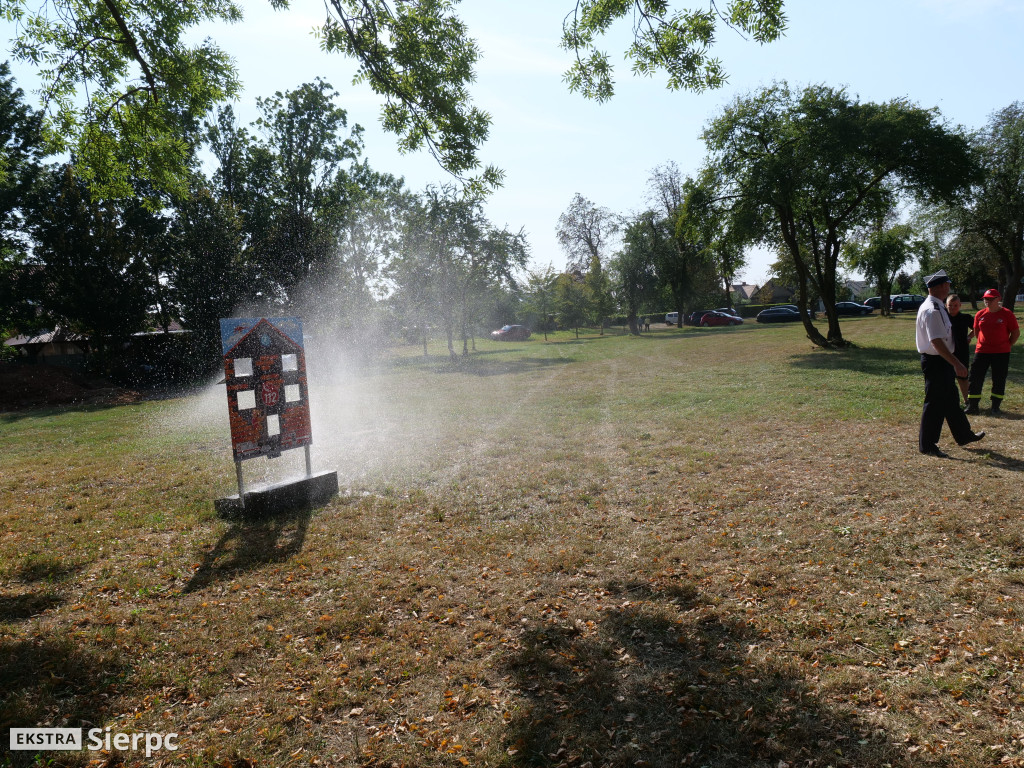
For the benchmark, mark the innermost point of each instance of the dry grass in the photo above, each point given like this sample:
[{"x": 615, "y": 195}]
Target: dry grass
[{"x": 715, "y": 547}]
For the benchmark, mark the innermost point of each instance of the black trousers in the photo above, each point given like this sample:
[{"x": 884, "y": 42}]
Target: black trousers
[
  {"x": 941, "y": 403},
  {"x": 1000, "y": 362}
]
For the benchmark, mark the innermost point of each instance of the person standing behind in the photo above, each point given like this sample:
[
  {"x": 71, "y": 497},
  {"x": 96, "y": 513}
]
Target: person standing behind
[
  {"x": 934, "y": 336},
  {"x": 997, "y": 329},
  {"x": 963, "y": 328}
]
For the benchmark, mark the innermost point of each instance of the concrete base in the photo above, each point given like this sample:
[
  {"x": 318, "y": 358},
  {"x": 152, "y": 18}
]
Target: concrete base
[{"x": 291, "y": 496}]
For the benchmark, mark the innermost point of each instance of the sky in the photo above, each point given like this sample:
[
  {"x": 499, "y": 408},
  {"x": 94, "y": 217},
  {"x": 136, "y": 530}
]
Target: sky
[{"x": 963, "y": 57}]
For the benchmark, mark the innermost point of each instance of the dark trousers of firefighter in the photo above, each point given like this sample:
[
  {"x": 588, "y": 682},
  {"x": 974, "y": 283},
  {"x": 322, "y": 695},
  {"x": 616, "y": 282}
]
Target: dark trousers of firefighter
[
  {"x": 941, "y": 403},
  {"x": 1000, "y": 363}
]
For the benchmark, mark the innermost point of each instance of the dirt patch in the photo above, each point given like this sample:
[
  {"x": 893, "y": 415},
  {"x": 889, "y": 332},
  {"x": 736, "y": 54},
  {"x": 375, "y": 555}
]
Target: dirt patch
[{"x": 33, "y": 386}]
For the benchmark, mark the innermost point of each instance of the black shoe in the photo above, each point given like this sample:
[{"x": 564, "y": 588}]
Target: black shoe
[
  {"x": 972, "y": 407},
  {"x": 937, "y": 452},
  {"x": 973, "y": 438},
  {"x": 996, "y": 408}
]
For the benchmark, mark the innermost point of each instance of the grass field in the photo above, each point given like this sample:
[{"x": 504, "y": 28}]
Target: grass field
[{"x": 708, "y": 547}]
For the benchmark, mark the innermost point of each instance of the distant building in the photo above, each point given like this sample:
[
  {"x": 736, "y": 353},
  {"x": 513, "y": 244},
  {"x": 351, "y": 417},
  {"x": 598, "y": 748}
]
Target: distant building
[
  {"x": 743, "y": 292},
  {"x": 774, "y": 292},
  {"x": 56, "y": 347},
  {"x": 859, "y": 289},
  {"x": 61, "y": 347}
]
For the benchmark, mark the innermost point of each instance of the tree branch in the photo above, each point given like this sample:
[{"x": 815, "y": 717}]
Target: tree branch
[{"x": 133, "y": 48}]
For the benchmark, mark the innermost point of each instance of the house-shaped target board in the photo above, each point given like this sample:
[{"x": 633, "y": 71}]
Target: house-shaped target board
[{"x": 268, "y": 409}]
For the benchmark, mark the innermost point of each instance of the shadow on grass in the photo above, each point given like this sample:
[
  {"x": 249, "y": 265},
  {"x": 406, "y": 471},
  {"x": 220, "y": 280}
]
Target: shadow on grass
[
  {"x": 643, "y": 688},
  {"x": 478, "y": 364},
  {"x": 249, "y": 544},
  {"x": 25, "y": 606},
  {"x": 873, "y": 361},
  {"x": 36, "y": 568},
  {"x": 1000, "y": 460},
  {"x": 54, "y": 682}
]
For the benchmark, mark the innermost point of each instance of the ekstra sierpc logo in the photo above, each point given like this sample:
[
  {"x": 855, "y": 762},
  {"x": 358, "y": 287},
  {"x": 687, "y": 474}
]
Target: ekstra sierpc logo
[
  {"x": 40, "y": 739},
  {"x": 46, "y": 738}
]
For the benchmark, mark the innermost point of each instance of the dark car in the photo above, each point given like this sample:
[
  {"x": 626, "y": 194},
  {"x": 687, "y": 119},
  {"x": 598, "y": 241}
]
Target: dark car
[
  {"x": 694, "y": 317},
  {"x": 728, "y": 310},
  {"x": 875, "y": 302},
  {"x": 511, "y": 333},
  {"x": 906, "y": 302},
  {"x": 716, "y": 318},
  {"x": 852, "y": 308},
  {"x": 778, "y": 315}
]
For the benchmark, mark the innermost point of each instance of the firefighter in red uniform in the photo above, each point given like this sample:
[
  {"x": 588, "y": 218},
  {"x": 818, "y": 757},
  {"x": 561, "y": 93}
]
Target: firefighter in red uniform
[{"x": 996, "y": 329}]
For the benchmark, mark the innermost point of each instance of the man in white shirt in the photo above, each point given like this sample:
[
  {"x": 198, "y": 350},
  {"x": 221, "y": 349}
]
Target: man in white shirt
[{"x": 941, "y": 370}]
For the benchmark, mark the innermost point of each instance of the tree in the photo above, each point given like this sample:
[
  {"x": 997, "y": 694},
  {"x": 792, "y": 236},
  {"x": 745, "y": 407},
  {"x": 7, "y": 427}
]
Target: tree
[
  {"x": 490, "y": 259},
  {"x": 677, "y": 42},
  {"x": 971, "y": 264},
  {"x": 677, "y": 251},
  {"x": 124, "y": 90},
  {"x": 602, "y": 303},
  {"x": 22, "y": 155},
  {"x": 903, "y": 282},
  {"x": 93, "y": 262},
  {"x": 310, "y": 187},
  {"x": 671, "y": 254},
  {"x": 417, "y": 54},
  {"x": 809, "y": 168},
  {"x": 636, "y": 276},
  {"x": 346, "y": 300},
  {"x": 207, "y": 266},
  {"x": 231, "y": 145},
  {"x": 571, "y": 301},
  {"x": 539, "y": 299},
  {"x": 880, "y": 254},
  {"x": 996, "y": 209},
  {"x": 448, "y": 257},
  {"x": 718, "y": 228},
  {"x": 585, "y": 231}
]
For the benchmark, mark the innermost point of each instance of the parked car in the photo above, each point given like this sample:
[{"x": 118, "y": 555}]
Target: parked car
[
  {"x": 852, "y": 308},
  {"x": 511, "y": 333},
  {"x": 906, "y": 301},
  {"x": 728, "y": 310},
  {"x": 716, "y": 318},
  {"x": 672, "y": 318},
  {"x": 875, "y": 302},
  {"x": 778, "y": 315},
  {"x": 694, "y": 317}
]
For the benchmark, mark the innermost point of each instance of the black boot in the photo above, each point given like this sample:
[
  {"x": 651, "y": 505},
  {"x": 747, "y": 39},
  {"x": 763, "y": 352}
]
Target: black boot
[
  {"x": 972, "y": 406},
  {"x": 996, "y": 405}
]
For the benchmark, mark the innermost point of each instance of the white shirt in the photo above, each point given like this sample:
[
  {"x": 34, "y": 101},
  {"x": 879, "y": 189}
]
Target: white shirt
[{"x": 933, "y": 323}]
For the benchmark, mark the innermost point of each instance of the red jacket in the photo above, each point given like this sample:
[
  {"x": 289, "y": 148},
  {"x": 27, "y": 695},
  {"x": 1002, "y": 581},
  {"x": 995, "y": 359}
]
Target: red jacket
[{"x": 993, "y": 330}]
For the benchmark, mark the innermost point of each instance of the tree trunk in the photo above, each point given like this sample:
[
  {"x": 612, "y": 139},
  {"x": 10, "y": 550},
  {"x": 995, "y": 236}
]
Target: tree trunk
[
  {"x": 827, "y": 288},
  {"x": 1012, "y": 287},
  {"x": 449, "y": 332},
  {"x": 803, "y": 278}
]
